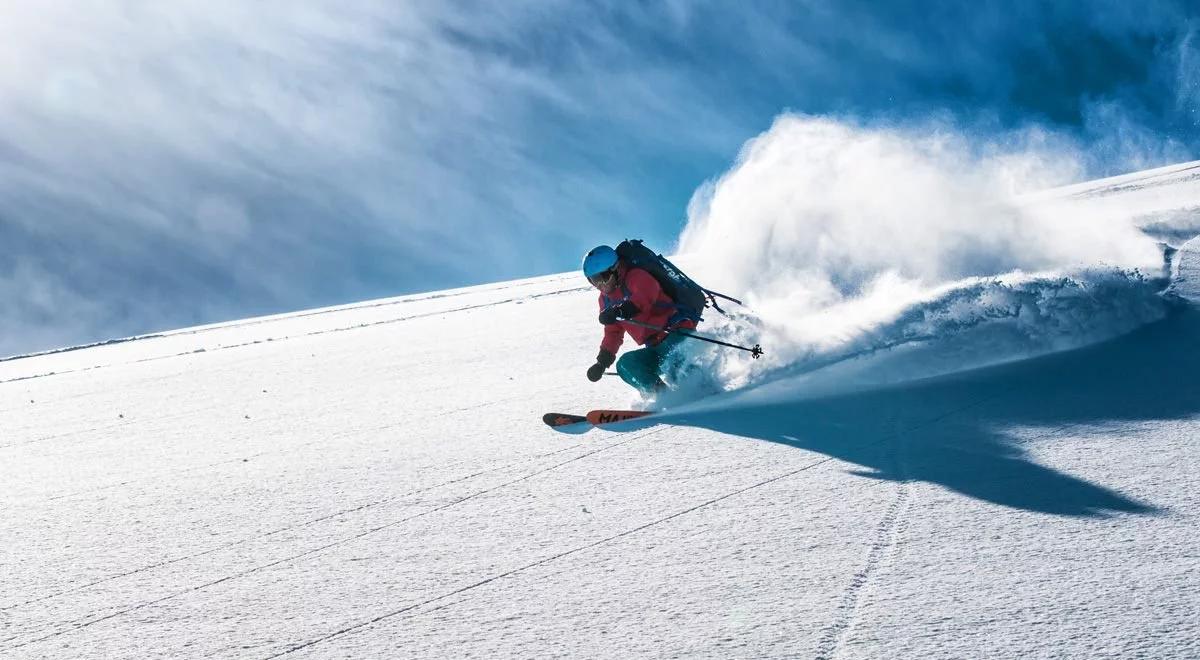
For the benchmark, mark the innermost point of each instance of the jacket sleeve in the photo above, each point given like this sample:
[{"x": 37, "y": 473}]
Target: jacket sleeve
[{"x": 614, "y": 335}]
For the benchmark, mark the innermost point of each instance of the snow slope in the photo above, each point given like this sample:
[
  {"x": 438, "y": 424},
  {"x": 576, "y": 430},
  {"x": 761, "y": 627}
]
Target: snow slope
[{"x": 374, "y": 481}]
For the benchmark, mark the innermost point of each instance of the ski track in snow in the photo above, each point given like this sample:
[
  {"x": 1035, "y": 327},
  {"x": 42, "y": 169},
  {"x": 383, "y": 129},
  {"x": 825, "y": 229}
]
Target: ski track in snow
[
  {"x": 78, "y": 625},
  {"x": 885, "y": 541},
  {"x": 274, "y": 532},
  {"x": 887, "y": 532},
  {"x": 885, "y": 538}
]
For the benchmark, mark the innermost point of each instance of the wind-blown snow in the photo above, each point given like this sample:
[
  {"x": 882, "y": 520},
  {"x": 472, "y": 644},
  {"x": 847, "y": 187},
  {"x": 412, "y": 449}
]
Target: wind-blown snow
[{"x": 847, "y": 241}]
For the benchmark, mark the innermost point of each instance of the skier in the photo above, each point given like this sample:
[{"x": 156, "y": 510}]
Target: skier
[{"x": 632, "y": 301}]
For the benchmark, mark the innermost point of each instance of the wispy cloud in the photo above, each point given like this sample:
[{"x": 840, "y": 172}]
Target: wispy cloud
[{"x": 193, "y": 161}]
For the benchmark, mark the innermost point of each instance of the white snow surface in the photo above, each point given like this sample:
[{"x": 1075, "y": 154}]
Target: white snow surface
[{"x": 375, "y": 481}]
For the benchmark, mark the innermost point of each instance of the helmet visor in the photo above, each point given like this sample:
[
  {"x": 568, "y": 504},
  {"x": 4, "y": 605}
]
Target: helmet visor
[{"x": 604, "y": 278}]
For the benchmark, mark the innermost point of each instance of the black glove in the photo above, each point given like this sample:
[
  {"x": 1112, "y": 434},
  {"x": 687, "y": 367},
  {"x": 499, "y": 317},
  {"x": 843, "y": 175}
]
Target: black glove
[
  {"x": 603, "y": 361},
  {"x": 625, "y": 310}
]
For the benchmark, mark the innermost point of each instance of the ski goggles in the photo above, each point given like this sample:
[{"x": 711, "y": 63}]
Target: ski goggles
[{"x": 604, "y": 278}]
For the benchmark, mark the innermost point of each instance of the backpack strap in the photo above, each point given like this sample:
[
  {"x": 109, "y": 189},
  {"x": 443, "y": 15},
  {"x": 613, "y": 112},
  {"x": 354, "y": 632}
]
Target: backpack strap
[
  {"x": 712, "y": 300},
  {"x": 682, "y": 312}
]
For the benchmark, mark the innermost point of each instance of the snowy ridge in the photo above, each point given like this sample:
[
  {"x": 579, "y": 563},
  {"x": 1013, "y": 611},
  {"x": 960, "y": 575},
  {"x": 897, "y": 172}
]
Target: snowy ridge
[
  {"x": 1179, "y": 175},
  {"x": 281, "y": 327}
]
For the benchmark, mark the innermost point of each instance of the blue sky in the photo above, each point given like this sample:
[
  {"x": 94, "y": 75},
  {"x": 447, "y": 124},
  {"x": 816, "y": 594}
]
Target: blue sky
[{"x": 167, "y": 164}]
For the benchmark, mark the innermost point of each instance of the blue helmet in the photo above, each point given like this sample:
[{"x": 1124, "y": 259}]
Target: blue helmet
[{"x": 600, "y": 260}]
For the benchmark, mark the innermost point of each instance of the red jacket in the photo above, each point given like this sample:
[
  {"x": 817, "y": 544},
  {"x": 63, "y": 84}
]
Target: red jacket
[{"x": 655, "y": 309}]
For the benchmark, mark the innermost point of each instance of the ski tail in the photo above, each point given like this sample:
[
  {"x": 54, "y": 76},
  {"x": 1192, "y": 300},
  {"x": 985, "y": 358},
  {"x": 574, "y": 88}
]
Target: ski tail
[{"x": 562, "y": 419}]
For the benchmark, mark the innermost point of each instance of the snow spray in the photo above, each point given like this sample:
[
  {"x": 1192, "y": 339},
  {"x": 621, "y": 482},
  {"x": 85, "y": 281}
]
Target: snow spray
[{"x": 849, "y": 242}]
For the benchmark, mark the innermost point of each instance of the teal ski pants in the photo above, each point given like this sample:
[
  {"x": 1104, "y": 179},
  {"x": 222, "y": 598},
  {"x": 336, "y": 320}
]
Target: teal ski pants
[{"x": 644, "y": 367}]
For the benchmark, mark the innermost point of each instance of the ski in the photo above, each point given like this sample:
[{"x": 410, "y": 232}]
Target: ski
[
  {"x": 598, "y": 417},
  {"x": 562, "y": 419},
  {"x": 594, "y": 417}
]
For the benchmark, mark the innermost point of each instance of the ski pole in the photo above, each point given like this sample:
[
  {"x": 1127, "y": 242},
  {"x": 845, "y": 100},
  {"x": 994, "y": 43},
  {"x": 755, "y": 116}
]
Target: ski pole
[{"x": 756, "y": 350}]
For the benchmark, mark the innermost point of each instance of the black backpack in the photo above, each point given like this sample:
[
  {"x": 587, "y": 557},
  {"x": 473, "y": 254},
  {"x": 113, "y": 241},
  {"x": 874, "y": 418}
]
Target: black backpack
[{"x": 691, "y": 298}]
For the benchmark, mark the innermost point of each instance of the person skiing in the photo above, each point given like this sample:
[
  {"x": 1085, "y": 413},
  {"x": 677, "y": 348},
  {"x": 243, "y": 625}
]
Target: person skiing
[{"x": 633, "y": 302}]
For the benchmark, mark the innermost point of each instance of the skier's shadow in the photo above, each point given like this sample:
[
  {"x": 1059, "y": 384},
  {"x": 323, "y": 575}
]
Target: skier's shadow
[{"x": 951, "y": 431}]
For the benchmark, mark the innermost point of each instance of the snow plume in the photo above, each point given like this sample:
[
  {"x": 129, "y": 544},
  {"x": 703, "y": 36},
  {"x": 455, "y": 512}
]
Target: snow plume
[{"x": 846, "y": 241}]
